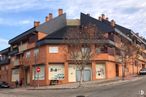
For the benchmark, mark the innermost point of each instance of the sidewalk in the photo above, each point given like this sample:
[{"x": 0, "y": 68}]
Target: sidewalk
[{"x": 87, "y": 84}]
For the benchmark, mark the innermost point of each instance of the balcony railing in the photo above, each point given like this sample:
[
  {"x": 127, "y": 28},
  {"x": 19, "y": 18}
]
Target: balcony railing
[
  {"x": 13, "y": 52},
  {"x": 5, "y": 61}
]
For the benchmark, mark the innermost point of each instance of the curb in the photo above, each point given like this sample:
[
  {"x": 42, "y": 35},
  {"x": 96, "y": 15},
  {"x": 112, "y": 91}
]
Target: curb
[{"x": 90, "y": 85}]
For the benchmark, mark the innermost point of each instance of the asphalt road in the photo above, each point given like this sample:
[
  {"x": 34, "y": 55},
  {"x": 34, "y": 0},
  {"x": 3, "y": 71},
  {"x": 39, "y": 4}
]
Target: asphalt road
[{"x": 127, "y": 89}]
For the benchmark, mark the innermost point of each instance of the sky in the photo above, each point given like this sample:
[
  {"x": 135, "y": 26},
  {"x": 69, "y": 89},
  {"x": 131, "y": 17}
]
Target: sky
[{"x": 17, "y": 16}]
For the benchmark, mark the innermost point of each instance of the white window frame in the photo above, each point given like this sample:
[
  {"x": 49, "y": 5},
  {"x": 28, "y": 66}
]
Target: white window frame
[{"x": 54, "y": 49}]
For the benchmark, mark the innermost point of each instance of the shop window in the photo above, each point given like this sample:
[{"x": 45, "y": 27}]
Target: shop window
[
  {"x": 15, "y": 74},
  {"x": 39, "y": 75},
  {"x": 56, "y": 72}
]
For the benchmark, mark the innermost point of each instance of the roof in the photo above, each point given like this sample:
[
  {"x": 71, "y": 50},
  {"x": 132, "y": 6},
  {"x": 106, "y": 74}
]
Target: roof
[
  {"x": 22, "y": 35},
  {"x": 56, "y": 36},
  {"x": 105, "y": 26},
  {"x": 102, "y": 25},
  {"x": 46, "y": 27},
  {"x": 53, "y": 24},
  {"x": 5, "y": 51}
]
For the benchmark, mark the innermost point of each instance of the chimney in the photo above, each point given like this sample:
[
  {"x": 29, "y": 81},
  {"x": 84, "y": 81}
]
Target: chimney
[
  {"x": 88, "y": 14},
  {"x": 103, "y": 16},
  {"x": 106, "y": 18},
  {"x": 36, "y": 23},
  {"x": 137, "y": 34},
  {"x": 113, "y": 23},
  {"x": 49, "y": 17},
  {"x": 60, "y": 12},
  {"x": 99, "y": 18}
]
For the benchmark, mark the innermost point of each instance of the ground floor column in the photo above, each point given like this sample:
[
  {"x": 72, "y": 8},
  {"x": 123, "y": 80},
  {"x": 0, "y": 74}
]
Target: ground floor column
[
  {"x": 66, "y": 72},
  {"x": 93, "y": 70}
]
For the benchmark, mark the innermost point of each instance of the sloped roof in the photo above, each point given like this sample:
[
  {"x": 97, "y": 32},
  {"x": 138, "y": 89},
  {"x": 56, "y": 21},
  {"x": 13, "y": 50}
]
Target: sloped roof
[
  {"x": 5, "y": 51},
  {"x": 46, "y": 27},
  {"x": 22, "y": 35},
  {"x": 53, "y": 24},
  {"x": 105, "y": 26},
  {"x": 102, "y": 25},
  {"x": 56, "y": 36}
]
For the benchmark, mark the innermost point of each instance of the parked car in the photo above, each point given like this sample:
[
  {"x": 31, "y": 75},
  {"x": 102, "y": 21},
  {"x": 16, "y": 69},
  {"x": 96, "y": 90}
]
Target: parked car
[
  {"x": 4, "y": 84},
  {"x": 142, "y": 71}
]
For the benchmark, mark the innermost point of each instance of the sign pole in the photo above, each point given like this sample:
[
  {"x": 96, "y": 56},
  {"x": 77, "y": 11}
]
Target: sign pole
[
  {"x": 38, "y": 71},
  {"x": 38, "y": 79}
]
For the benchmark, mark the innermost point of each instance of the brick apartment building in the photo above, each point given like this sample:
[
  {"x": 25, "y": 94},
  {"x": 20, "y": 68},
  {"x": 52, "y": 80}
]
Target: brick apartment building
[{"x": 42, "y": 47}]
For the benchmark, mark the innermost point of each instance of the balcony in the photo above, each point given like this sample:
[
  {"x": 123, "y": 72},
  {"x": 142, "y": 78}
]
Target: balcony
[
  {"x": 5, "y": 61},
  {"x": 23, "y": 47},
  {"x": 15, "y": 51}
]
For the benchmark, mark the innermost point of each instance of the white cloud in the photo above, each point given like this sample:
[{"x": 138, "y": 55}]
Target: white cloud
[
  {"x": 23, "y": 5},
  {"x": 3, "y": 43},
  {"x": 14, "y": 22},
  {"x": 129, "y": 13}
]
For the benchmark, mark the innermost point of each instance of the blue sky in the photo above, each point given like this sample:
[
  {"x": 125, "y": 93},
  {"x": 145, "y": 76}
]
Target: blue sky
[{"x": 17, "y": 16}]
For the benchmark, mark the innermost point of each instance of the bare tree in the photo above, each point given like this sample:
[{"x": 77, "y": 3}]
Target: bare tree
[
  {"x": 136, "y": 54},
  {"x": 80, "y": 41},
  {"x": 126, "y": 53},
  {"x": 129, "y": 52}
]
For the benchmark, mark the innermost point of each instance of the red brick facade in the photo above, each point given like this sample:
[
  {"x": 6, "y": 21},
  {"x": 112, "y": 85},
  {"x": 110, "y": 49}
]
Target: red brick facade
[{"x": 54, "y": 61}]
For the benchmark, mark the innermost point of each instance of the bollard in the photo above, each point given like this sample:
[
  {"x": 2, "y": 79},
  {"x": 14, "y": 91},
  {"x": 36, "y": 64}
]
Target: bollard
[{"x": 80, "y": 96}]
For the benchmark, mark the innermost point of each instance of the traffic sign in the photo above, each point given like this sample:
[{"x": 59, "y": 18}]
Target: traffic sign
[{"x": 38, "y": 69}]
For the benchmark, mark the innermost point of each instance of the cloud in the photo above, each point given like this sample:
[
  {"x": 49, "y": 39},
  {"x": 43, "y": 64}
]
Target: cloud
[
  {"x": 128, "y": 13},
  {"x": 3, "y": 43},
  {"x": 14, "y": 22},
  {"x": 24, "y": 5}
]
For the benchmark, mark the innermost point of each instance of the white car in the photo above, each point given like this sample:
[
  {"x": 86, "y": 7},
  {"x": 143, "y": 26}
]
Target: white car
[{"x": 142, "y": 71}]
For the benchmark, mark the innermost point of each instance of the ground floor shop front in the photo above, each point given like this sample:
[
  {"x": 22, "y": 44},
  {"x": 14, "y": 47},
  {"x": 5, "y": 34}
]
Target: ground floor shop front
[{"x": 60, "y": 73}]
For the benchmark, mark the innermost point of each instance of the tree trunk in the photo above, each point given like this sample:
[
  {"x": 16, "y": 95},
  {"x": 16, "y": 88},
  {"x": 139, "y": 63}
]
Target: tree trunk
[
  {"x": 81, "y": 78},
  {"x": 123, "y": 71},
  {"x": 137, "y": 68}
]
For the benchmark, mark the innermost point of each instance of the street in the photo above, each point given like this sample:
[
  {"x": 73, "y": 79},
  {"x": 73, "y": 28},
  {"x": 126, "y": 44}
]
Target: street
[{"x": 126, "y": 89}]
